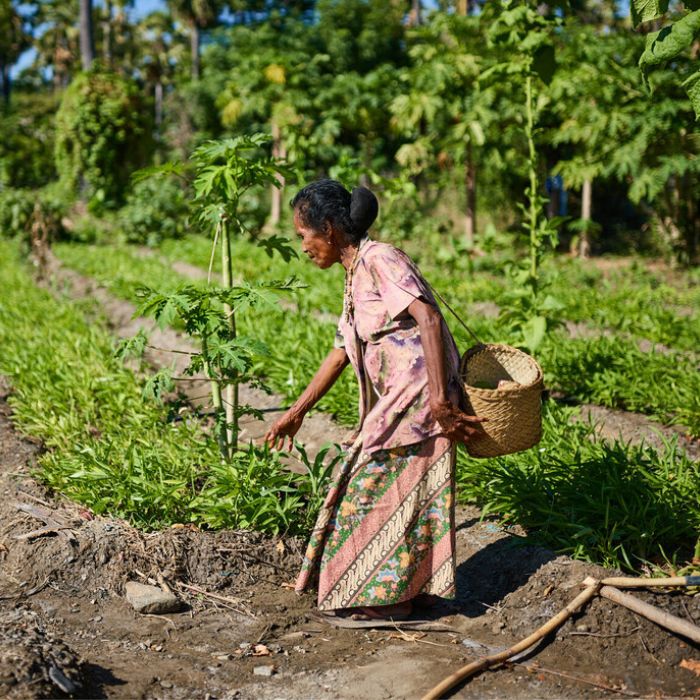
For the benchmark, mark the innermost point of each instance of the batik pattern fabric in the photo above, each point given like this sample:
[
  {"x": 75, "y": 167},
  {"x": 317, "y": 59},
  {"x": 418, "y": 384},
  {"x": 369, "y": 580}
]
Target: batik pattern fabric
[
  {"x": 383, "y": 343},
  {"x": 386, "y": 530}
]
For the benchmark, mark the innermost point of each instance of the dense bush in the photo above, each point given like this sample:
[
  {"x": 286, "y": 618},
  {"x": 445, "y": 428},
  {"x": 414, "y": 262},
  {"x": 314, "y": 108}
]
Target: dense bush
[
  {"x": 103, "y": 133},
  {"x": 155, "y": 209},
  {"x": 27, "y": 144}
]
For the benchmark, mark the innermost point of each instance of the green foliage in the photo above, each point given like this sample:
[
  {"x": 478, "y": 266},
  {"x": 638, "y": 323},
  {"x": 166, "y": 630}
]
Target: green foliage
[
  {"x": 103, "y": 132},
  {"x": 154, "y": 210},
  {"x": 223, "y": 172},
  {"x": 108, "y": 448},
  {"x": 608, "y": 503},
  {"x": 22, "y": 211},
  {"x": 27, "y": 144},
  {"x": 670, "y": 43}
]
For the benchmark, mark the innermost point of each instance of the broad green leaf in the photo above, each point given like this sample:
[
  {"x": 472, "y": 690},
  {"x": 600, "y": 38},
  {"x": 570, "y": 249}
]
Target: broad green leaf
[
  {"x": 533, "y": 332},
  {"x": 667, "y": 43},
  {"x": 646, "y": 10},
  {"x": 544, "y": 64}
]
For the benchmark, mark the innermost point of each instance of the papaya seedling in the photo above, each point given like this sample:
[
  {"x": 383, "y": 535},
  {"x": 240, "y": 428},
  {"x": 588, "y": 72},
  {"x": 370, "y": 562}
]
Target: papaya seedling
[{"x": 221, "y": 173}]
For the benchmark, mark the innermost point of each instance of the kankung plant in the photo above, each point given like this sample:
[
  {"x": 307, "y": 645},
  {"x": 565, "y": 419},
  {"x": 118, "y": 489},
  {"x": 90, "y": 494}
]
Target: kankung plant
[
  {"x": 524, "y": 31},
  {"x": 223, "y": 172}
]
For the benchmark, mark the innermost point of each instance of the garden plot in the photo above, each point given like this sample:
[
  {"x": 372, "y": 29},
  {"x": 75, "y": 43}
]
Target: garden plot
[{"x": 63, "y": 608}]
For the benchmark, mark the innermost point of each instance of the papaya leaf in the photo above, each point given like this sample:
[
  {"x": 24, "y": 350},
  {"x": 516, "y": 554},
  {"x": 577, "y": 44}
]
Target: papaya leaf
[
  {"x": 158, "y": 172},
  {"x": 669, "y": 42},
  {"x": 544, "y": 64},
  {"x": 692, "y": 87},
  {"x": 646, "y": 10}
]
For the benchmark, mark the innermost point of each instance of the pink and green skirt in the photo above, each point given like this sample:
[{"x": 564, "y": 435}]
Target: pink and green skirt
[{"x": 385, "y": 533}]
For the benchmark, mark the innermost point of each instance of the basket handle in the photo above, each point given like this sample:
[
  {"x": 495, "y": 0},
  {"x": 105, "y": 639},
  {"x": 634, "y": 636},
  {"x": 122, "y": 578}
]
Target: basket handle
[{"x": 454, "y": 313}]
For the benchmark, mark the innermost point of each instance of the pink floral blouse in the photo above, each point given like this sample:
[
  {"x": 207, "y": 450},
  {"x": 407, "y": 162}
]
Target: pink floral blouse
[{"x": 383, "y": 343}]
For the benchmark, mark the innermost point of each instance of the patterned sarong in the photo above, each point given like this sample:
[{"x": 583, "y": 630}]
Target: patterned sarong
[{"x": 386, "y": 530}]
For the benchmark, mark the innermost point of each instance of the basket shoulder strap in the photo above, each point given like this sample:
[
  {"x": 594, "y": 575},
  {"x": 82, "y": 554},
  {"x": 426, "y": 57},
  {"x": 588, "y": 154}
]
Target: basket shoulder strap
[{"x": 453, "y": 312}]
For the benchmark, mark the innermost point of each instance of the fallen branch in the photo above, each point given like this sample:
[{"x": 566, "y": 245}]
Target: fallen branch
[
  {"x": 230, "y": 601},
  {"x": 486, "y": 662},
  {"x": 650, "y": 612}
]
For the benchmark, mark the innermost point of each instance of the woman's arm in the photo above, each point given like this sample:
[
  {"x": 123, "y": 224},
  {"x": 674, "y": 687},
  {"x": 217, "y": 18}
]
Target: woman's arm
[
  {"x": 289, "y": 423},
  {"x": 453, "y": 421}
]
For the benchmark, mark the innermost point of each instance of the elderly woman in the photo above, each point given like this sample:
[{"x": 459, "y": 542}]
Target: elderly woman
[{"x": 385, "y": 535}]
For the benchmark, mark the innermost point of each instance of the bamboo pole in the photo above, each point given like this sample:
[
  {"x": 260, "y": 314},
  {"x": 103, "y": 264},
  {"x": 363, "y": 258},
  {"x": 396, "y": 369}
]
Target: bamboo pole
[
  {"x": 231, "y": 391},
  {"x": 487, "y": 661},
  {"x": 650, "y": 612},
  {"x": 625, "y": 582}
]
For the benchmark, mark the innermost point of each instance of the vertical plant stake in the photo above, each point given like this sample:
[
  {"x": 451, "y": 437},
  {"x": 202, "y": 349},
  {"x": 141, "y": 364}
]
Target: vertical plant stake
[{"x": 223, "y": 171}]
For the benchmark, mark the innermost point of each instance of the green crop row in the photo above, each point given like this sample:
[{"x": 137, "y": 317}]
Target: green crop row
[
  {"x": 114, "y": 451},
  {"x": 607, "y": 371},
  {"x": 613, "y": 504},
  {"x": 609, "y": 503}
]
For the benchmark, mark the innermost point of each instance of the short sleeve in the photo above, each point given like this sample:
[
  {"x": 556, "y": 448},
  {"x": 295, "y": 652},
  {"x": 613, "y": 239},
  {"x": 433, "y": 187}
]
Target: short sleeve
[{"x": 398, "y": 280}]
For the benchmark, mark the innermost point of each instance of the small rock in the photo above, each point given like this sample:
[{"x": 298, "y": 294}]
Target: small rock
[
  {"x": 224, "y": 657},
  {"x": 66, "y": 685},
  {"x": 245, "y": 645},
  {"x": 264, "y": 671},
  {"x": 294, "y": 637},
  {"x": 166, "y": 684},
  {"x": 149, "y": 599},
  {"x": 582, "y": 628}
]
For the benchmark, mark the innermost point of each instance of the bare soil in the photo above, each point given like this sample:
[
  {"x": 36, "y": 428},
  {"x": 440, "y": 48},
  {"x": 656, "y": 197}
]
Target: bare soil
[{"x": 63, "y": 616}]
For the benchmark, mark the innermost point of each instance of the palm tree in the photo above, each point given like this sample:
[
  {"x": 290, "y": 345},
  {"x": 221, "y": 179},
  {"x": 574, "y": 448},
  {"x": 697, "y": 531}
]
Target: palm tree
[
  {"x": 57, "y": 45},
  {"x": 197, "y": 15},
  {"x": 13, "y": 40},
  {"x": 158, "y": 47}
]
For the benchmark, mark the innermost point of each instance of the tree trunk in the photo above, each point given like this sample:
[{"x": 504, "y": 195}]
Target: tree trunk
[
  {"x": 159, "y": 104},
  {"x": 194, "y": 49},
  {"x": 470, "y": 191},
  {"x": 584, "y": 244},
  {"x": 6, "y": 81},
  {"x": 87, "y": 42},
  {"x": 276, "y": 192},
  {"x": 414, "y": 16},
  {"x": 107, "y": 30}
]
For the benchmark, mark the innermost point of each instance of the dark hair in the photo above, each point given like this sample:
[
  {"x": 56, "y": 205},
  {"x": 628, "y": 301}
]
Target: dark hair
[{"x": 328, "y": 201}]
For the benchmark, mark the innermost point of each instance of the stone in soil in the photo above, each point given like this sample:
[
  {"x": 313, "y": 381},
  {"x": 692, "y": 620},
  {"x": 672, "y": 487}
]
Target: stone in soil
[
  {"x": 264, "y": 671},
  {"x": 151, "y": 600}
]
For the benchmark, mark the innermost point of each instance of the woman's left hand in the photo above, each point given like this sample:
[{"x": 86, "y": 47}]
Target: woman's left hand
[{"x": 455, "y": 423}]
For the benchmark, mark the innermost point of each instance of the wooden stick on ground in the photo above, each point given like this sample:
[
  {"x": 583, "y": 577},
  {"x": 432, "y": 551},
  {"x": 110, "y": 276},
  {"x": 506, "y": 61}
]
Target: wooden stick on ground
[
  {"x": 624, "y": 582},
  {"x": 486, "y": 662},
  {"x": 661, "y": 618}
]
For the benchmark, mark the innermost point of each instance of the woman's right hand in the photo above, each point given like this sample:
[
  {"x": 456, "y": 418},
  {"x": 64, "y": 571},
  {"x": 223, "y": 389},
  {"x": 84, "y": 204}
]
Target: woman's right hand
[{"x": 286, "y": 426}]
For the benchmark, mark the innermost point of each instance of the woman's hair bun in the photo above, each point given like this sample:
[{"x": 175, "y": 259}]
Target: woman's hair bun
[{"x": 364, "y": 208}]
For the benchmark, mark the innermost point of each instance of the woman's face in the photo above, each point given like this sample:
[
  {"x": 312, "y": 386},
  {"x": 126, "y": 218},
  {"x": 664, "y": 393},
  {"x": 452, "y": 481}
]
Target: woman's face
[{"x": 320, "y": 246}]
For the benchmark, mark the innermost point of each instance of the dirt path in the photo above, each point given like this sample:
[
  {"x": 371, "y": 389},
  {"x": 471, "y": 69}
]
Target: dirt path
[{"x": 64, "y": 619}]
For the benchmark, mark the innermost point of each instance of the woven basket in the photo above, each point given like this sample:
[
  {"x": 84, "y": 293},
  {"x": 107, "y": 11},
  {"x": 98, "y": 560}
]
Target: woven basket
[{"x": 514, "y": 413}]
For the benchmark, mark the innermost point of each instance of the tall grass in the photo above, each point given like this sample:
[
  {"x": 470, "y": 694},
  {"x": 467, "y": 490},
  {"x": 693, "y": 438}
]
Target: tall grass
[{"x": 610, "y": 503}]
